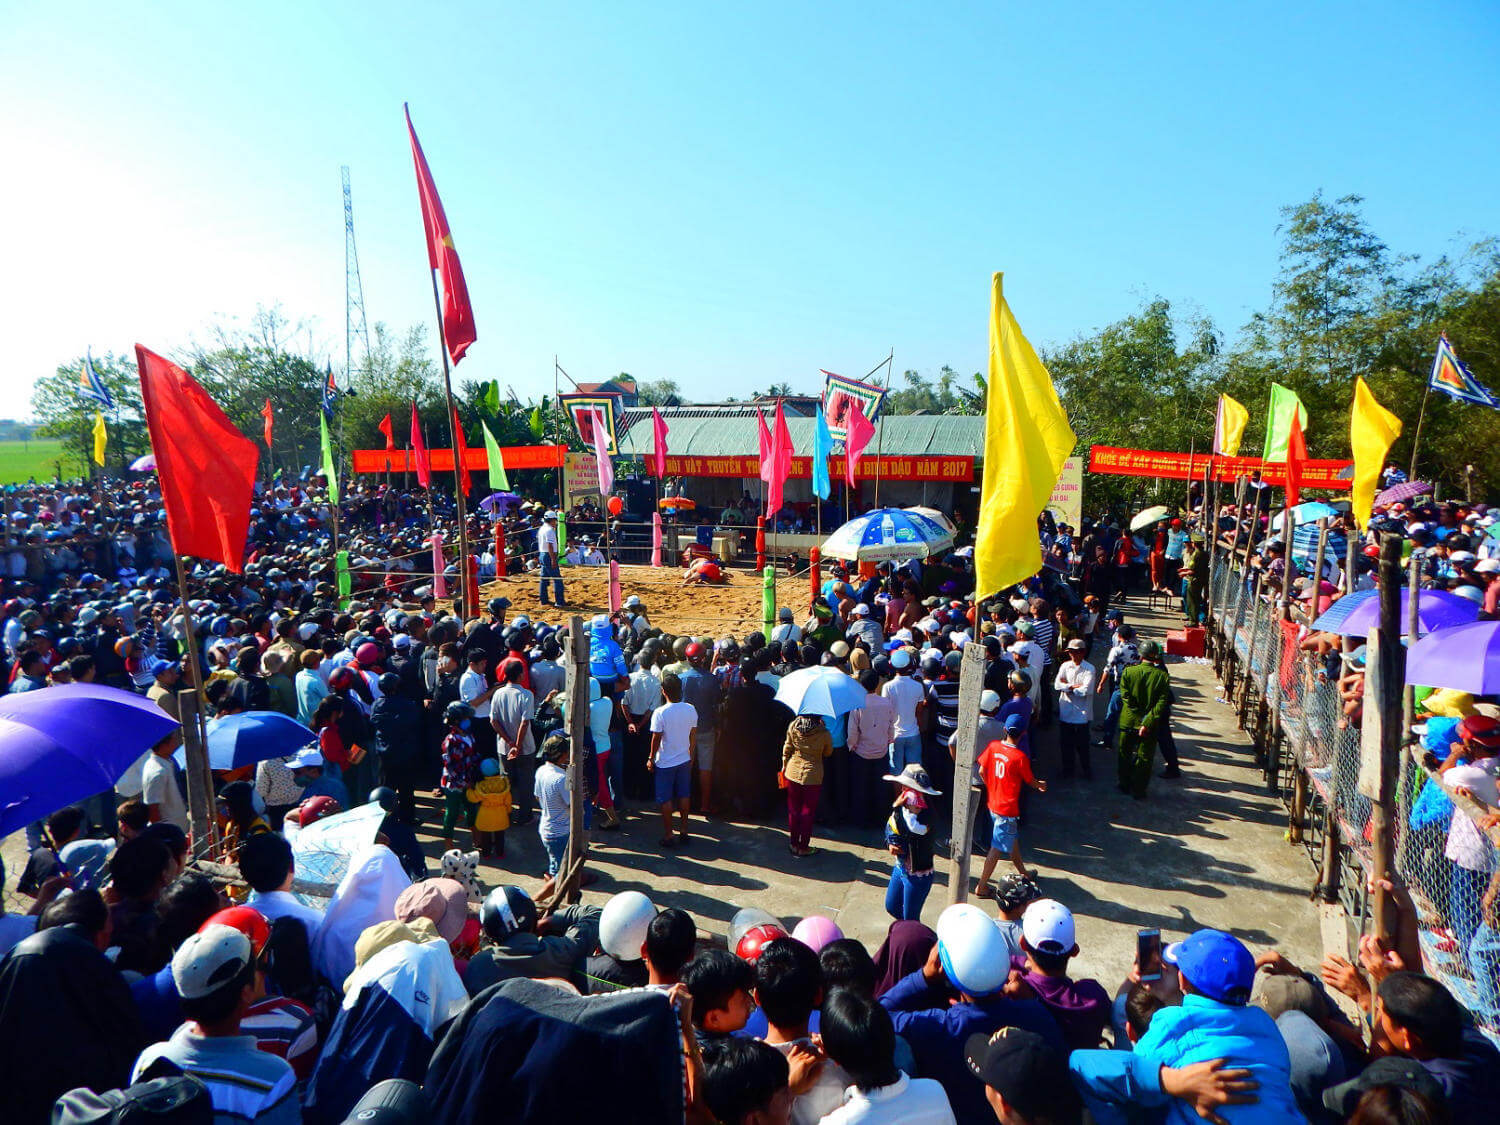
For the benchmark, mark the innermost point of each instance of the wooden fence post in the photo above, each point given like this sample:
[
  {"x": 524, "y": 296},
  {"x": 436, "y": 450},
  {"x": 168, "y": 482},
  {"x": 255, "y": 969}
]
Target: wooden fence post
[{"x": 970, "y": 688}]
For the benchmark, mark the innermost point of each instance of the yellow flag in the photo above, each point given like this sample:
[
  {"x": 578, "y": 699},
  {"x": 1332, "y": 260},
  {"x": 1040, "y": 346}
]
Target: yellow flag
[
  {"x": 1372, "y": 431},
  {"x": 101, "y": 437},
  {"x": 1026, "y": 440},
  {"x": 1229, "y": 427}
]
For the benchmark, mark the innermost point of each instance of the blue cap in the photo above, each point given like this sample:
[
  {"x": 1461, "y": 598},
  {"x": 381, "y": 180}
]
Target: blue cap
[
  {"x": 1014, "y": 722},
  {"x": 1216, "y": 964},
  {"x": 489, "y": 767}
]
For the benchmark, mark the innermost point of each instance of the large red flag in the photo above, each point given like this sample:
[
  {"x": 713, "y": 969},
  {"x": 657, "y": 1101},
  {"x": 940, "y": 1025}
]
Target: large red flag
[
  {"x": 781, "y": 461},
  {"x": 385, "y": 428},
  {"x": 857, "y": 434},
  {"x": 205, "y": 466},
  {"x": 419, "y": 451},
  {"x": 1296, "y": 454},
  {"x": 268, "y": 414},
  {"x": 659, "y": 442},
  {"x": 458, "y": 314},
  {"x": 460, "y": 454}
]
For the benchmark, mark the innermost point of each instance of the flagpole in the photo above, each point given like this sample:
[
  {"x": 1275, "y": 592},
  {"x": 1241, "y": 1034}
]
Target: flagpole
[
  {"x": 1417, "y": 437},
  {"x": 458, "y": 470},
  {"x": 556, "y": 395},
  {"x": 879, "y": 422}
]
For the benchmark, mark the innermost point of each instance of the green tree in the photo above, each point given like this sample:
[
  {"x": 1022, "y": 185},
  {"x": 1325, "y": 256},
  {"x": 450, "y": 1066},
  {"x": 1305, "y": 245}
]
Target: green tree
[
  {"x": 659, "y": 392},
  {"x": 65, "y": 414}
]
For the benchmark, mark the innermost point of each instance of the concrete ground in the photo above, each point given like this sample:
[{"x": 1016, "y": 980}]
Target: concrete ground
[{"x": 1206, "y": 850}]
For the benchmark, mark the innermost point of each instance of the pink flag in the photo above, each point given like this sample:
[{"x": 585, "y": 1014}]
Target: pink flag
[
  {"x": 659, "y": 441},
  {"x": 601, "y": 455},
  {"x": 439, "y": 579},
  {"x": 781, "y": 461},
  {"x": 858, "y": 432},
  {"x": 765, "y": 448}
]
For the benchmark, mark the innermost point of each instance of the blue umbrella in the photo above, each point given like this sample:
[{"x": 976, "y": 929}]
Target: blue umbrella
[
  {"x": 1310, "y": 512},
  {"x": 820, "y": 691},
  {"x": 250, "y": 737},
  {"x": 62, "y": 744},
  {"x": 888, "y": 533},
  {"x": 1358, "y": 613}
]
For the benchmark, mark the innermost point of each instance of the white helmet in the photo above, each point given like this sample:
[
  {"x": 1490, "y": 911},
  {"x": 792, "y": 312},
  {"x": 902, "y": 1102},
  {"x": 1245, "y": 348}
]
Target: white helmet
[
  {"x": 972, "y": 949},
  {"x": 623, "y": 923}
]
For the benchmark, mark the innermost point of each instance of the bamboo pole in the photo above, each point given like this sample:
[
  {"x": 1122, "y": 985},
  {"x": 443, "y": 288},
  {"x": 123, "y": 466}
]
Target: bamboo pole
[{"x": 465, "y": 611}]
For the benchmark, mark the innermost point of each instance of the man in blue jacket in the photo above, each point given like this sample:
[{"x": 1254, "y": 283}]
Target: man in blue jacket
[{"x": 1214, "y": 1023}]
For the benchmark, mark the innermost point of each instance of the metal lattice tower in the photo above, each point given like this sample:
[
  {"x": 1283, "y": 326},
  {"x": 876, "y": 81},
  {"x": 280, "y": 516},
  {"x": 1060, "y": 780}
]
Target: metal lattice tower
[{"x": 356, "y": 329}]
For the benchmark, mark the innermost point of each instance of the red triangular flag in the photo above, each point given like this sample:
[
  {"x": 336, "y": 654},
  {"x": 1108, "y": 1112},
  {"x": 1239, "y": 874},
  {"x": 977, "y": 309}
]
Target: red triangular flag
[
  {"x": 781, "y": 462},
  {"x": 460, "y": 454},
  {"x": 419, "y": 451},
  {"x": 267, "y": 414},
  {"x": 204, "y": 465},
  {"x": 857, "y": 434},
  {"x": 385, "y": 428},
  {"x": 458, "y": 314},
  {"x": 1296, "y": 454}
]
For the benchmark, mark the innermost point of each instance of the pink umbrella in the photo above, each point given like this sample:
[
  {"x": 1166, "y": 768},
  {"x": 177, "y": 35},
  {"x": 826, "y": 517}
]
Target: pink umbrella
[
  {"x": 1400, "y": 493},
  {"x": 146, "y": 464}
]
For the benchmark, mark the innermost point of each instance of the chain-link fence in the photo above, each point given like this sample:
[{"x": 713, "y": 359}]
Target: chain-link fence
[{"x": 1301, "y": 700}]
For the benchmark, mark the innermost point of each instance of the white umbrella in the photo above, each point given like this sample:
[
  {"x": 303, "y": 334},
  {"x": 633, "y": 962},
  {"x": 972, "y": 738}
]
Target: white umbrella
[
  {"x": 144, "y": 464},
  {"x": 820, "y": 691},
  {"x": 934, "y": 515},
  {"x": 1150, "y": 516}
]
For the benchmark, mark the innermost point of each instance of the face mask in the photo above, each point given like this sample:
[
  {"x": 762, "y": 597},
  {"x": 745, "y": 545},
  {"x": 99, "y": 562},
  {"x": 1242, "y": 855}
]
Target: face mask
[
  {"x": 463, "y": 724},
  {"x": 301, "y": 780}
]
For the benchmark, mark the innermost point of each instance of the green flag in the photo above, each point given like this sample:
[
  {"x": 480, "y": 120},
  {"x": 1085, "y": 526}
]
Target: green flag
[
  {"x": 498, "y": 480},
  {"x": 1284, "y": 403},
  {"x": 328, "y": 467},
  {"x": 346, "y": 580}
]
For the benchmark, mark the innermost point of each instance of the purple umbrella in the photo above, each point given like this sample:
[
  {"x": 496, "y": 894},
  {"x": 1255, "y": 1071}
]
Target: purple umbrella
[
  {"x": 500, "y": 499},
  {"x": 61, "y": 744},
  {"x": 1357, "y": 614},
  {"x": 1400, "y": 493},
  {"x": 1464, "y": 658}
]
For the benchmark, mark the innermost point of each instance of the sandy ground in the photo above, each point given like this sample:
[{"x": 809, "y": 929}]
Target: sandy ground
[{"x": 734, "y": 607}]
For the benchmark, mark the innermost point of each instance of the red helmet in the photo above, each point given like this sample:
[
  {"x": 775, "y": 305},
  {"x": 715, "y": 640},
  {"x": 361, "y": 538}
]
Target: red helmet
[
  {"x": 315, "y": 809},
  {"x": 755, "y": 939},
  {"x": 340, "y": 678},
  {"x": 368, "y": 653},
  {"x": 694, "y": 651},
  {"x": 1372, "y": 550},
  {"x": 246, "y": 919}
]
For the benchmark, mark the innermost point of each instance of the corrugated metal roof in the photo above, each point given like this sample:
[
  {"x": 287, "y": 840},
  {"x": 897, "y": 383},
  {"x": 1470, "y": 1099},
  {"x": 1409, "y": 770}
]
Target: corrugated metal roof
[{"x": 905, "y": 435}]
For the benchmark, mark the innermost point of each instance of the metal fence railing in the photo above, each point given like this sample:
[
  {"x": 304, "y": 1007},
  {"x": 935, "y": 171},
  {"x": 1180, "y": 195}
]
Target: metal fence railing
[{"x": 1302, "y": 709}]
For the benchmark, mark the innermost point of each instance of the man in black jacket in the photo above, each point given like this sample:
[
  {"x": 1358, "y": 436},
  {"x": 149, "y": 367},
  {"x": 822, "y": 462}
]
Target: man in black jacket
[{"x": 397, "y": 724}]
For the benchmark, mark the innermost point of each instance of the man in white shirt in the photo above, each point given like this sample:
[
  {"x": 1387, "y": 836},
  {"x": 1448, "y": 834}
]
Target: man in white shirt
[
  {"x": 266, "y": 864},
  {"x": 475, "y": 690},
  {"x": 1075, "y": 704},
  {"x": 674, "y": 730},
  {"x": 858, "y": 1037},
  {"x": 159, "y": 789},
  {"x": 786, "y": 629},
  {"x": 546, "y": 549},
  {"x": 907, "y": 696},
  {"x": 592, "y": 556},
  {"x": 512, "y": 710}
]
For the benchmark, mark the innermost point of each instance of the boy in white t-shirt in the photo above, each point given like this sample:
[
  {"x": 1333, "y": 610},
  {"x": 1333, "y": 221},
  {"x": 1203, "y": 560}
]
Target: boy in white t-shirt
[{"x": 674, "y": 727}]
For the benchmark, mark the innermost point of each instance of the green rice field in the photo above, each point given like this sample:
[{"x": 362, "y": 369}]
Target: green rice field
[{"x": 38, "y": 457}]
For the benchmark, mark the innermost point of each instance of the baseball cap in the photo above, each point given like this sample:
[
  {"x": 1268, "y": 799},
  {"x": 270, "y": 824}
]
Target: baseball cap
[
  {"x": 1481, "y": 730},
  {"x": 1078, "y": 644},
  {"x": 1014, "y": 723},
  {"x": 1025, "y": 1070},
  {"x": 633, "y": 602},
  {"x": 784, "y": 613},
  {"x": 305, "y": 758},
  {"x": 989, "y": 700},
  {"x": 208, "y": 960},
  {"x": 1047, "y": 927},
  {"x": 1215, "y": 963},
  {"x": 402, "y": 640},
  {"x": 1392, "y": 1070},
  {"x": 861, "y": 610},
  {"x": 247, "y": 920},
  {"x": 444, "y": 902}
]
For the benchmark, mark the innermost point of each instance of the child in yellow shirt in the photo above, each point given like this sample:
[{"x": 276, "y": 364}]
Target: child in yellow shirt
[{"x": 492, "y": 794}]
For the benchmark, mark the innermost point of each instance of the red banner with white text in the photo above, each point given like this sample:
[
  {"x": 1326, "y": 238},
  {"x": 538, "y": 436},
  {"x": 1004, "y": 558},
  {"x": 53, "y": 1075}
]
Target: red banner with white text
[
  {"x": 514, "y": 456},
  {"x": 1113, "y": 461}
]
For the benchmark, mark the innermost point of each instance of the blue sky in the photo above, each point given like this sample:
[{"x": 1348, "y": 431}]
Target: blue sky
[{"x": 724, "y": 195}]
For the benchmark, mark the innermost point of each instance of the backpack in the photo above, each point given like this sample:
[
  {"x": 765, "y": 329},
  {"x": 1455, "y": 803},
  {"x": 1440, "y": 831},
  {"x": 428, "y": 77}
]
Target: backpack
[{"x": 179, "y": 1100}]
